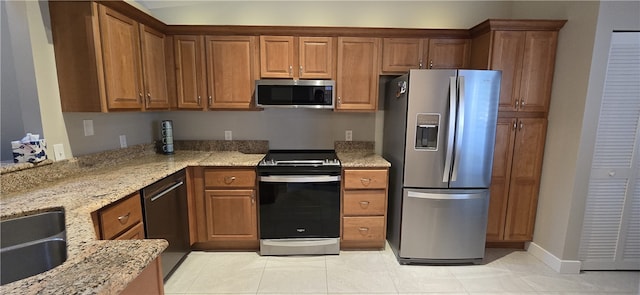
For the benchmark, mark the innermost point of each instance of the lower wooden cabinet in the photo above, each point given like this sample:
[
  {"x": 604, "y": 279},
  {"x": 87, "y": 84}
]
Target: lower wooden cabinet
[
  {"x": 364, "y": 208},
  {"x": 121, "y": 220},
  {"x": 515, "y": 180},
  {"x": 148, "y": 282},
  {"x": 225, "y": 208}
]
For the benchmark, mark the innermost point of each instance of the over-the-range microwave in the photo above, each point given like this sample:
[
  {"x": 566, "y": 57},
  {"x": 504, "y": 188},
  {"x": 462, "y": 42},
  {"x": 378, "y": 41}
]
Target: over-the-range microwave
[{"x": 318, "y": 94}]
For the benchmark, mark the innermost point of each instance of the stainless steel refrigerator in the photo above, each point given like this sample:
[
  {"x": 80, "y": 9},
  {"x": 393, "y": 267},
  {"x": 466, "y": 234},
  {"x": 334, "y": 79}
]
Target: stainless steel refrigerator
[{"x": 439, "y": 135}]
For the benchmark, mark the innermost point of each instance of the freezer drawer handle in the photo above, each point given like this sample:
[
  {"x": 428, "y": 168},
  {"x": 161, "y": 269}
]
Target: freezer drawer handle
[{"x": 444, "y": 196}]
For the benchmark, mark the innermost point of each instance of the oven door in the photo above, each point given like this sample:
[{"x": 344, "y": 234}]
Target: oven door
[{"x": 299, "y": 206}]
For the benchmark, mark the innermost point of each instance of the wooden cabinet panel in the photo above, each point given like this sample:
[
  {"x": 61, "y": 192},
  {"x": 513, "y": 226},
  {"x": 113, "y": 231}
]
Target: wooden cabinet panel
[
  {"x": 315, "y": 58},
  {"x": 365, "y": 179},
  {"x": 364, "y": 202},
  {"x": 507, "y": 52},
  {"x": 537, "y": 70},
  {"x": 135, "y": 233},
  {"x": 148, "y": 282},
  {"x": 357, "y": 77},
  {"x": 525, "y": 178},
  {"x": 155, "y": 75},
  {"x": 399, "y": 55},
  {"x": 449, "y": 53},
  {"x": 500, "y": 178},
  {"x": 120, "y": 216},
  {"x": 122, "y": 67},
  {"x": 276, "y": 56},
  {"x": 220, "y": 178},
  {"x": 231, "y": 214},
  {"x": 231, "y": 71},
  {"x": 189, "y": 59},
  {"x": 368, "y": 228}
]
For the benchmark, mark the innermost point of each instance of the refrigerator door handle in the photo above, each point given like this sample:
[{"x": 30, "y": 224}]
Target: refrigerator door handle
[
  {"x": 453, "y": 93},
  {"x": 435, "y": 196},
  {"x": 459, "y": 128}
]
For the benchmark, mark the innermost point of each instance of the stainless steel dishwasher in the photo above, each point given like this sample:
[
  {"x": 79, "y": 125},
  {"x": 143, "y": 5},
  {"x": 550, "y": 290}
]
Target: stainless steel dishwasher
[{"x": 165, "y": 217}]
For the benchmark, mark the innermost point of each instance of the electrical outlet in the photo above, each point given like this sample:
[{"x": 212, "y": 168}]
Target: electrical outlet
[
  {"x": 228, "y": 135},
  {"x": 123, "y": 141},
  {"x": 58, "y": 152},
  {"x": 348, "y": 135},
  {"x": 88, "y": 127}
]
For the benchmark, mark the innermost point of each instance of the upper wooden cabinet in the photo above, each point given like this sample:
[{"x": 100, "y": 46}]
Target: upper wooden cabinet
[
  {"x": 357, "y": 77},
  {"x": 525, "y": 52},
  {"x": 231, "y": 71},
  {"x": 296, "y": 57},
  {"x": 215, "y": 72},
  {"x": 399, "y": 55},
  {"x": 106, "y": 60}
]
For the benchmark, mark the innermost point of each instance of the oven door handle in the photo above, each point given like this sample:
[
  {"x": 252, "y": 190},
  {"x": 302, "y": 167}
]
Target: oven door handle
[{"x": 300, "y": 178}]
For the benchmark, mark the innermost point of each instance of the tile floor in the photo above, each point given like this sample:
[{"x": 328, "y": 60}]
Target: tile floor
[{"x": 378, "y": 272}]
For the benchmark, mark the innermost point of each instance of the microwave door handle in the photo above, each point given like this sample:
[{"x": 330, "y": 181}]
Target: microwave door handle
[
  {"x": 459, "y": 129},
  {"x": 451, "y": 128}
]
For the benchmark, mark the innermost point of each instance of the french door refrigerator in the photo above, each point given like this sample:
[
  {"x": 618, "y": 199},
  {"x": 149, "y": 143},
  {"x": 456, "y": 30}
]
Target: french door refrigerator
[{"x": 439, "y": 135}]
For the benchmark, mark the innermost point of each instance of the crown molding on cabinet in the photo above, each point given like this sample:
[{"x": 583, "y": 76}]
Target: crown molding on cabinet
[{"x": 516, "y": 25}]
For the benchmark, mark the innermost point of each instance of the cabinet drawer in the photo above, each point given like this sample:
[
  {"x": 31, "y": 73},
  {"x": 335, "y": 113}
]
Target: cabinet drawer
[
  {"x": 364, "y": 202},
  {"x": 135, "y": 233},
  {"x": 363, "y": 228},
  {"x": 229, "y": 178},
  {"x": 365, "y": 179},
  {"x": 120, "y": 216}
]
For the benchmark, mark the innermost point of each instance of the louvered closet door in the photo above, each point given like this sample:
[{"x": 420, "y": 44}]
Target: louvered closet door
[{"x": 611, "y": 229}]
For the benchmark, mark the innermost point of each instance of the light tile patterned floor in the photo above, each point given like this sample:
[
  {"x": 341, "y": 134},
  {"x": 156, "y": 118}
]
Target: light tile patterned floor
[{"x": 378, "y": 272}]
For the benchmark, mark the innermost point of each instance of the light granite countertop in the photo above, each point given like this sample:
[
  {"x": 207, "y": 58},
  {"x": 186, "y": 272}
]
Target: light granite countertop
[{"x": 106, "y": 267}]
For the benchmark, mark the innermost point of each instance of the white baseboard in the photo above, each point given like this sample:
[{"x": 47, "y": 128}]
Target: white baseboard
[{"x": 557, "y": 264}]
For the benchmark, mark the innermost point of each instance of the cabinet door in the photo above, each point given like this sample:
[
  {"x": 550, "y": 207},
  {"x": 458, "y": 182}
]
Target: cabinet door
[
  {"x": 189, "y": 58},
  {"x": 525, "y": 179},
  {"x": 231, "y": 215},
  {"x": 449, "y": 53},
  {"x": 537, "y": 70},
  {"x": 500, "y": 176},
  {"x": 506, "y": 55},
  {"x": 357, "y": 82},
  {"x": 399, "y": 55},
  {"x": 121, "y": 60},
  {"x": 276, "y": 56},
  {"x": 231, "y": 71},
  {"x": 315, "y": 58},
  {"x": 155, "y": 74}
]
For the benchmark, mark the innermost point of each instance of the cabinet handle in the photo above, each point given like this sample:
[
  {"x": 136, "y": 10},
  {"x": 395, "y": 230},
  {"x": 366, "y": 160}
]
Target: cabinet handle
[
  {"x": 431, "y": 64},
  {"x": 300, "y": 72},
  {"x": 210, "y": 100},
  {"x": 124, "y": 218},
  {"x": 363, "y": 229},
  {"x": 516, "y": 105},
  {"x": 229, "y": 179},
  {"x": 420, "y": 64},
  {"x": 515, "y": 125},
  {"x": 364, "y": 204},
  {"x": 198, "y": 99},
  {"x": 339, "y": 100},
  {"x": 365, "y": 181},
  {"x": 521, "y": 102},
  {"x": 140, "y": 97},
  {"x": 148, "y": 98},
  {"x": 521, "y": 126},
  {"x": 253, "y": 198},
  {"x": 290, "y": 70}
]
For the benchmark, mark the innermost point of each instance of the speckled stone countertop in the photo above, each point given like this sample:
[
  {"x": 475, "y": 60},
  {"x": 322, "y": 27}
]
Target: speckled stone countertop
[
  {"x": 90, "y": 183},
  {"x": 95, "y": 266}
]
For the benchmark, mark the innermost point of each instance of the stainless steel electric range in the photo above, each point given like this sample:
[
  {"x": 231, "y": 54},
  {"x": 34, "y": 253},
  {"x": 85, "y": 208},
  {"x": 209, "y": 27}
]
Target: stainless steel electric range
[{"x": 299, "y": 192}]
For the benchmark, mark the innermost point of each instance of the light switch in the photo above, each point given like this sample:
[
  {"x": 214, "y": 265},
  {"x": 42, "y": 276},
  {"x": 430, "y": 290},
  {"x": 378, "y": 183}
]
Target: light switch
[{"x": 88, "y": 127}]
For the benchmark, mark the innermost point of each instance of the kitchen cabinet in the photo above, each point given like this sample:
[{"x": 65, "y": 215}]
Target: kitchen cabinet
[
  {"x": 515, "y": 179},
  {"x": 399, "y": 55},
  {"x": 215, "y": 72},
  {"x": 106, "y": 60},
  {"x": 121, "y": 220},
  {"x": 364, "y": 208},
  {"x": 357, "y": 74},
  {"x": 296, "y": 57},
  {"x": 148, "y": 282},
  {"x": 226, "y": 208}
]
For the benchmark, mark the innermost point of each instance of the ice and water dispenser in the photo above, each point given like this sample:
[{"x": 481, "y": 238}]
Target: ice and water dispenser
[{"x": 427, "y": 127}]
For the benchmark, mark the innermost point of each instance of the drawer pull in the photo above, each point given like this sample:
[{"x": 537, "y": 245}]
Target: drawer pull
[
  {"x": 364, "y": 204},
  {"x": 363, "y": 230},
  {"x": 365, "y": 181},
  {"x": 229, "y": 179},
  {"x": 124, "y": 218}
]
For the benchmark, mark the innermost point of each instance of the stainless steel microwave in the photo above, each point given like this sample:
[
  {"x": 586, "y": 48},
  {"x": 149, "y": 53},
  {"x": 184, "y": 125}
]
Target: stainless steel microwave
[{"x": 318, "y": 94}]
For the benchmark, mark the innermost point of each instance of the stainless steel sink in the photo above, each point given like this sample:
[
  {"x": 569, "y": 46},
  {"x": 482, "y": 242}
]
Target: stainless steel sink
[{"x": 32, "y": 244}]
